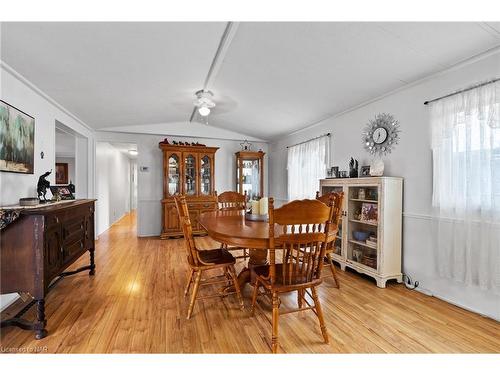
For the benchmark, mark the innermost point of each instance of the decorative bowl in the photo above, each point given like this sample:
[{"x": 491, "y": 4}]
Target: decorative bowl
[
  {"x": 252, "y": 217},
  {"x": 360, "y": 236},
  {"x": 31, "y": 201}
]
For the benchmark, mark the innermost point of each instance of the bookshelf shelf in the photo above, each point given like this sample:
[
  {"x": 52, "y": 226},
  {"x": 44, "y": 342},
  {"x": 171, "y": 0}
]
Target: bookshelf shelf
[
  {"x": 377, "y": 202},
  {"x": 364, "y": 200},
  {"x": 363, "y": 222},
  {"x": 362, "y": 244}
]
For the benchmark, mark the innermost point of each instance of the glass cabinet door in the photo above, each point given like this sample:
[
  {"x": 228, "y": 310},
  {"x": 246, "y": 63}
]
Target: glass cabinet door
[
  {"x": 250, "y": 172},
  {"x": 190, "y": 175},
  {"x": 205, "y": 175},
  {"x": 363, "y": 218},
  {"x": 174, "y": 166}
]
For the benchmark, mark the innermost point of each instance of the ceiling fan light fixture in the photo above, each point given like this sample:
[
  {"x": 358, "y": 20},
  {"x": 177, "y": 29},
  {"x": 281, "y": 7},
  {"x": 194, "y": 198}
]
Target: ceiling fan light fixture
[
  {"x": 204, "y": 110},
  {"x": 204, "y": 102}
]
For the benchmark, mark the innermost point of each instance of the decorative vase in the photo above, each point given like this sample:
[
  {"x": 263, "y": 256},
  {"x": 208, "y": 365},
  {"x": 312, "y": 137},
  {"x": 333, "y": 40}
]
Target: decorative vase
[{"x": 377, "y": 167}]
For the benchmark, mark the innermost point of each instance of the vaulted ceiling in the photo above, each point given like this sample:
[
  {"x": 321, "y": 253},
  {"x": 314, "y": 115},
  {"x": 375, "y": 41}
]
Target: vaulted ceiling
[{"x": 269, "y": 79}]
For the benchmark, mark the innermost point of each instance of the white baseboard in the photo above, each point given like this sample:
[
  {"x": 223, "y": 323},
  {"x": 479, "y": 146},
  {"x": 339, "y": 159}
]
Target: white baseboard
[
  {"x": 430, "y": 293},
  {"x": 148, "y": 235}
]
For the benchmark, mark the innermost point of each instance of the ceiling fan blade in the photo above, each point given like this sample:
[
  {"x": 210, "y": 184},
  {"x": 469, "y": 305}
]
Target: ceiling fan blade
[{"x": 192, "y": 114}]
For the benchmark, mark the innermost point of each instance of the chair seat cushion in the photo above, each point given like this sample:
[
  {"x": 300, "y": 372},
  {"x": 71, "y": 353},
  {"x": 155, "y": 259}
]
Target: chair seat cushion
[
  {"x": 216, "y": 256},
  {"x": 282, "y": 279}
]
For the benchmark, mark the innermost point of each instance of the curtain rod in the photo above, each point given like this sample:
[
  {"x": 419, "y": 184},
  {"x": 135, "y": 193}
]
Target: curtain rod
[
  {"x": 464, "y": 90},
  {"x": 312, "y": 139}
]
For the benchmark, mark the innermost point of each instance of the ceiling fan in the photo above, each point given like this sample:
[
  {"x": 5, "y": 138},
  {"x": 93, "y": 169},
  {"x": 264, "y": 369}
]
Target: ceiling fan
[
  {"x": 203, "y": 104},
  {"x": 207, "y": 105}
]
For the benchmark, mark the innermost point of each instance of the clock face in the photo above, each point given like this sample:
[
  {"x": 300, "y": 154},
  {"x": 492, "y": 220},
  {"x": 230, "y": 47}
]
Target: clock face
[{"x": 379, "y": 135}]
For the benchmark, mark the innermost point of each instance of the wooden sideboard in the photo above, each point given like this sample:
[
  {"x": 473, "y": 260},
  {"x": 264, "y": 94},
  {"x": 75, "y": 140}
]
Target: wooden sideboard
[
  {"x": 190, "y": 171},
  {"x": 37, "y": 247}
]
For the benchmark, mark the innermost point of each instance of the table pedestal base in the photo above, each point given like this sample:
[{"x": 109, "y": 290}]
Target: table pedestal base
[{"x": 258, "y": 257}]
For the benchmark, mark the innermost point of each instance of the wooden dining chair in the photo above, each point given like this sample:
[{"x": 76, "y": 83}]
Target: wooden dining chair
[
  {"x": 338, "y": 199},
  {"x": 302, "y": 229},
  {"x": 200, "y": 260},
  {"x": 233, "y": 201}
]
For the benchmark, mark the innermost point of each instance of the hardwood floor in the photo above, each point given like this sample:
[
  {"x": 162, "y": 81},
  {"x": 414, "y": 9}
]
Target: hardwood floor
[{"x": 135, "y": 303}]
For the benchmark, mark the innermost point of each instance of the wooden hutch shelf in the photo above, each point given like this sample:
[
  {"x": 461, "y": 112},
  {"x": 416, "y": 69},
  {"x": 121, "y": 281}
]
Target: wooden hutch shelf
[{"x": 190, "y": 171}]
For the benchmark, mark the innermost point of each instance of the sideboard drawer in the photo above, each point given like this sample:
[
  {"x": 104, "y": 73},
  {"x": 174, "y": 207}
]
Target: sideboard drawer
[{"x": 202, "y": 206}]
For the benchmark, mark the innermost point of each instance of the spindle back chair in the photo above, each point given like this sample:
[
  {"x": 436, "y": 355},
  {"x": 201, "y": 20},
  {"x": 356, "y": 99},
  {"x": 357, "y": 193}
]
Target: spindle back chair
[
  {"x": 233, "y": 201},
  {"x": 302, "y": 229},
  {"x": 338, "y": 199},
  {"x": 201, "y": 260}
]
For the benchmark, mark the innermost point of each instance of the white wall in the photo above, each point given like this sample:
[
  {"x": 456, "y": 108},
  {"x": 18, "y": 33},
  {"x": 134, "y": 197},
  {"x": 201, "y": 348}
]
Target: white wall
[
  {"x": 113, "y": 185},
  {"x": 16, "y": 90},
  {"x": 150, "y": 183},
  {"x": 411, "y": 160},
  {"x": 65, "y": 142},
  {"x": 20, "y": 93},
  {"x": 133, "y": 184},
  {"x": 71, "y": 167},
  {"x": 84, "y": 167}
]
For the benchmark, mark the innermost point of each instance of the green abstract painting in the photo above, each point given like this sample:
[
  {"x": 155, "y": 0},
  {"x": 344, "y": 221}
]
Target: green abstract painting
[{"x": 17, "y": 140}]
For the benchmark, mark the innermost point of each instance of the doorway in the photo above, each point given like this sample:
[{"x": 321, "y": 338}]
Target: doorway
[
  {"x": 71, "y": 160},
  {"x": 116, "y": 183}
]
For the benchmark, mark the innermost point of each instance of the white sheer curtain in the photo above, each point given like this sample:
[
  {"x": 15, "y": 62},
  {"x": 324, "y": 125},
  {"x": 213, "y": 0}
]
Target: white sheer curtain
[
  {"x": 306, "y": 166},
  {"x": 466, "y": 186}
]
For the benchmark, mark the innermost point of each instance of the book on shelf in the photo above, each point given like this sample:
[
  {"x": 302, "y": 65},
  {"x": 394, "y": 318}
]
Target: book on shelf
[{"x": 369, "y": 212}]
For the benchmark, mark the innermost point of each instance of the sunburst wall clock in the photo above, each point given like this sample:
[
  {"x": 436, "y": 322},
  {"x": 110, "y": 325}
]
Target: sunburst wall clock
[{"x": 381, "y": 134}]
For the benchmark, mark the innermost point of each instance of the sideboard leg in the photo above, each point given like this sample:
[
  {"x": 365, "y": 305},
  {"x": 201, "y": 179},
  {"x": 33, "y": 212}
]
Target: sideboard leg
[
  {"x": 92, "y": 262},
  {"x": 40, "y": 331},
  {"x": 381, "y": 283}
]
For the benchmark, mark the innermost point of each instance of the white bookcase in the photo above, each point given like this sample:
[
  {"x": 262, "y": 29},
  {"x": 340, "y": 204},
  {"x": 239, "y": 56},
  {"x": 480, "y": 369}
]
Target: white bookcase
[{"x": 372, "y": 206}]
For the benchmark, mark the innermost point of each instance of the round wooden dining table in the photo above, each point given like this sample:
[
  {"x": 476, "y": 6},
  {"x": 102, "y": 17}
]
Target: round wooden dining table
[{"x": 233, "y": 229}]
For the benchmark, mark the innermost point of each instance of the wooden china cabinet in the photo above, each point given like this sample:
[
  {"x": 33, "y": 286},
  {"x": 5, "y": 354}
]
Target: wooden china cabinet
[
  {"x": 250, "y": 173},
  {"x": 187, "y": 170}
]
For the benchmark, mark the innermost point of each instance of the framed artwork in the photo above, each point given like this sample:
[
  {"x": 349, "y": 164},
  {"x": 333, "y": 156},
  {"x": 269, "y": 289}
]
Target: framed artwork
[
  {"x": 61, "y": 173},
  {"x": 17, "y": 140},
  {"x": 365, "y": 171},
  {"x": 62, "y": 191}
]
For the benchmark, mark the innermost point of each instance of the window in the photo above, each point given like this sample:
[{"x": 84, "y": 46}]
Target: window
[
  {"x": 306, "y": 166},
  {"x": 466, "y": 185}
]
